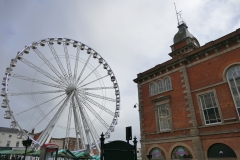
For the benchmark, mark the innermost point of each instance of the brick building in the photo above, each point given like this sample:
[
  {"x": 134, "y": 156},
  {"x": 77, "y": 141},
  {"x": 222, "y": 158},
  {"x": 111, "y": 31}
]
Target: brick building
[
  {"x": 72, "y": 142},
  {"x": 189, "y": 106}
]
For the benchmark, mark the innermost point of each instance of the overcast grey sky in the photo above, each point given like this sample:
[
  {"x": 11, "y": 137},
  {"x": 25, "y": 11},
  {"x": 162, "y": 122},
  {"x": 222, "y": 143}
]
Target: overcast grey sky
[{"x": 131, "y": 35}]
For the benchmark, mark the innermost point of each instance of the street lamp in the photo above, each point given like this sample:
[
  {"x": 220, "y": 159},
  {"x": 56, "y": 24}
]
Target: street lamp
[
  {"x": 135, "y": 106},
  {"x": 26, "y": 143}
]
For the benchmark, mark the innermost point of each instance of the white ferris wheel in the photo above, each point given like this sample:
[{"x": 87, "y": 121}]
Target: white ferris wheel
[{"x": 60, "y": 87}]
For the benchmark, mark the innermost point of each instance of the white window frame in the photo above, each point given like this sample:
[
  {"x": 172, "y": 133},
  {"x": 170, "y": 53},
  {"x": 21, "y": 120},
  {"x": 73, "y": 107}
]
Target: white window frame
[
  {"x": 152, "y": 87},
  {"x": 201, "y": 108},
  {"x": 17, "y": 144},
  {"x": 168, "y": 84},
  {"x": 162, "y": 86},
  {"x": 162, "y": 101},
  {"x": 163, "y": 118},
  {"x": 8, "y": 143},
  {"x": 232, "y": 73}
]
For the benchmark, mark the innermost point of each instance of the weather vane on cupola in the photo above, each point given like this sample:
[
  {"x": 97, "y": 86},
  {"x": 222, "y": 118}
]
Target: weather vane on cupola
[{"x": 179, "y": 16}]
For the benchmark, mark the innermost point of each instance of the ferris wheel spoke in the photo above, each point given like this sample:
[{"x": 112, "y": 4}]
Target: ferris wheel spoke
[
  {"x": 101, "y": 97},
  {"x": 48, "y": 63},
  {"x": 84, "y": 68},
  {"x": 85, "y": 116},
  {"x": 95, "y": 114},
  {"x": 76, "y": 63},
  {"x": 47, "y": 133},
  {"x": 45, "y": 115},
  {"x": 38, "y": 105},
  {"x": 57, "y": 60},
  {"x": 89, "y": 74},
  {"x": 98, "y": 88},
  {"x": 67, "y": 60},
  {"x": 32, "y": 93},
  {"x": 40, "y": 70},
  {"x": 36, "y": 81},
  {"x": 88, "y": 122},
  {"x": 98, "y": 105},
  {"x": 94, "y": 81}
]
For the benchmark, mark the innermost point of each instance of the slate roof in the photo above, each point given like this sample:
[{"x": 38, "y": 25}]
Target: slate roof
[{"x": 9, "y": 130}]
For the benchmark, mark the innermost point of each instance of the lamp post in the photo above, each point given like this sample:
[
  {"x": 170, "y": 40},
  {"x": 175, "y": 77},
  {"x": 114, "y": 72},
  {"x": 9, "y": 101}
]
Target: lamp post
[
  {"x": 26, "y": 143},
  {"x": 102, "y": 146},
  {"x": 135, "y": 146}
]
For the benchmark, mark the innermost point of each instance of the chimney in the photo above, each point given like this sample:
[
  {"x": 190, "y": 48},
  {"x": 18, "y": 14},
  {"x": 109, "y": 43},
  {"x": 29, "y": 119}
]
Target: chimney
[{"x": 33, "y": 130}]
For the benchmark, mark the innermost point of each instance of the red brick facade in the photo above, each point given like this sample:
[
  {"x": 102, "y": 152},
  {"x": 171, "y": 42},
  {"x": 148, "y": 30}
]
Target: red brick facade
[{"x": 193, "y": 71}]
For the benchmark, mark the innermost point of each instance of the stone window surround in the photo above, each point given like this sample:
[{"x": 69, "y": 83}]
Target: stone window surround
[
  {"x": 200, "y": 107},
  {"x": 163, "y": 84},
  {"x": 227, "y": 69},
  {"x": 159, "y": 101}
]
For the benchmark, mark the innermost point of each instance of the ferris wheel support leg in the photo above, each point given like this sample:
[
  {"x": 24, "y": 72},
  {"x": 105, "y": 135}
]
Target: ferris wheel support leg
[
  {"x": 47, "y": 133},
  {"x": 86, "y": 130},
  {"x": 91, "y": 130},
  {"x": 78, "y": 126},
  {"x": 77, "y": 138},
  {"x": 68, "y": 127}
]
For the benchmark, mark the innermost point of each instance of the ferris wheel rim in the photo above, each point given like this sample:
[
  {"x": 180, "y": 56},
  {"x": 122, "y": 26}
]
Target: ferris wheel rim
[{"x": 71, "y": 41}]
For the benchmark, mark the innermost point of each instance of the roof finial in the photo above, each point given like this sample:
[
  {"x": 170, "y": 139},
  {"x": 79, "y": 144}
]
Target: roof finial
[{"x": 178, "y": 15}]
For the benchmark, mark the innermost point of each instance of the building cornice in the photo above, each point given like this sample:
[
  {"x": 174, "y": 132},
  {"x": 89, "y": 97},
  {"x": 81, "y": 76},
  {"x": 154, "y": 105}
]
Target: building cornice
[{"x": 211, "y": 47}]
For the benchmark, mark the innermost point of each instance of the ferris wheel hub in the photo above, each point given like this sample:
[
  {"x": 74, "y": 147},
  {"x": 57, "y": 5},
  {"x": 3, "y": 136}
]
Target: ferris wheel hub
[{"x": 71, "y": 88}]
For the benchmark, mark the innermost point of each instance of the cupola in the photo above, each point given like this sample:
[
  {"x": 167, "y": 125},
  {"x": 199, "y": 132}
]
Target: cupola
[
  {"x": 183, "y": 41},
  {"x": 182, "y": 33}
]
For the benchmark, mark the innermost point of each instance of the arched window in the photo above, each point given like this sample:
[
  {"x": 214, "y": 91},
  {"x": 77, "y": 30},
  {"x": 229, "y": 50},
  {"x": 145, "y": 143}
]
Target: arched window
[
  {"x": 168, "y": 84},
  {"x": 152, "y": 89},
  {"x": 181, "y": 152},
  {"x": 160, "y": 86},
  {"x": 233, "y": 77},
  {"x": 157, "y": 154}
]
